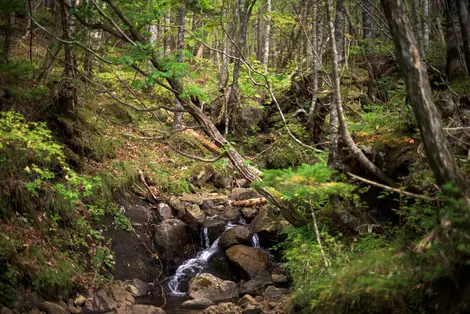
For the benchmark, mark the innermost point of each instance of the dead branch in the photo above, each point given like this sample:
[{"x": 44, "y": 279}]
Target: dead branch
[{"x": 250, "y": 202}]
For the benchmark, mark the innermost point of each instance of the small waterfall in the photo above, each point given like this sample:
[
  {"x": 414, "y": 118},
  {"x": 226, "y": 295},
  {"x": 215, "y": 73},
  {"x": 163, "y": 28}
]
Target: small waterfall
[
  {"x": 191, "y": 268},
  {"x": 205, "y": 241},
  {"x": 255, "y": 240}
]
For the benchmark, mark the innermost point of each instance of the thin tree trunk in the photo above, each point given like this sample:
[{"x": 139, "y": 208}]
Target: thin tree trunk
[
  {"x": 178, "y": 116},
  {"x": 66, "y": 36},
  {"x": 425, "y": 24},
  {"x": 415, "y": 12},
  {"x": 367, "y": 24},
  {"x": 267, "y": 35},
  {"x": 464, "y": 18},
  {"x": 167, "y": 32},
  {"x": 437, "y": 149},
  {"x": 259, "y": 42},
  {"x": 346, "y": 137},
  {"x": 339, "y": 30},
  {"x": 7, "y": 44}
]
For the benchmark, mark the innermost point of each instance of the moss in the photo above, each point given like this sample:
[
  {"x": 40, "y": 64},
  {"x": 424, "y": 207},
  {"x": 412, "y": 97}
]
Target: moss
[{"x": 203, "y": 282}]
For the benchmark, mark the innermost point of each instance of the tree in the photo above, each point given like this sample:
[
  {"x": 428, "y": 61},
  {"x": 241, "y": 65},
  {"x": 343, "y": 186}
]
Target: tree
[
  {"x": 437, "y": 148},
  {"x": 464, "y": 18}
]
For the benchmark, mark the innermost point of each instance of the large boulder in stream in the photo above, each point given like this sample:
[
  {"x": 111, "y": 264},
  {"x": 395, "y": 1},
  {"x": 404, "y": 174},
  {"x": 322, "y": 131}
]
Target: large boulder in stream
[
  {"x": 234, "y": 236},
  {"x": 210, "y": 287},
  {"x": 214, "y": 227},
  {"x": 249, "y": 261},
  {"x": 268, "y": 224},
  {"x": 171, "y": 237},
  {"x": 225, "y": 213}
]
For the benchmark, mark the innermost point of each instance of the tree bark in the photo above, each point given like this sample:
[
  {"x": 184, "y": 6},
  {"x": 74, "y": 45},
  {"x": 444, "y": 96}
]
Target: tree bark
[
  {"x": 167, "y": 32},
  {"x": 337, "y": 108},
  {"x": 425, "y": 24},
  {"x": 267, "y": 35},
  {"x": 464, "y": 18},
  {"x": 415, "y": 11},
  {"x": 339, "y": 30},
  {"x": 178, "y": 115},
  {"x": 367, "y": 24},
  {"x": 8, "y": 35},
  {"x": 437, "y": 149}
]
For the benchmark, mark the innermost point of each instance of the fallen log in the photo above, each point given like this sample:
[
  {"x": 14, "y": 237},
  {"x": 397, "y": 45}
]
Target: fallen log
[{"x": 250, "y": 202}]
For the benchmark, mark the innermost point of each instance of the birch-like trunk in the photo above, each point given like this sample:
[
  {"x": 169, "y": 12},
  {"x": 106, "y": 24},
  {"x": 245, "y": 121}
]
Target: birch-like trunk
[
  {"x": 178, "y": 115},
  {"x": 267, "y": 35},
  {"x": 425, "y": 24}
]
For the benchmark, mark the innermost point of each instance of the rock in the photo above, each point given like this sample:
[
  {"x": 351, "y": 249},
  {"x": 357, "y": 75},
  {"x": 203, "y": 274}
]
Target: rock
[
  {"x": 203, "y": 176},
  {"x": 192, "y": 198},
  {"x": 137, "y": 287},
  {"x": 234, "y": 236},
  {"x": 52, "y": 308},
  {"x": 223, "y": 180},
  {"x": 139, "y": 309},
  {"x": 171, "y": 236},
  {"x": 214, "y": 201},
  {"x": 249, "y": 212},
  {"x": 242, "y": 183},
  {"x": 215, "y": 227},
  {"x": 100, "y": 301},
  {"x": 121, "y": 295},
  {"x": 223, "y": 308},
  {"x": 243, "y": 194},
  {"x": 226, "y": 213},
  {"x": 251, "y": 309},
  {"x": 194, "y": 214},
  {"x": 256, "y": 286},
  {"x": 220, "y": 266},
  {"x": 5, "y": 310},
  {"x": 74, "y": 310},
  {"x": 247, "y": 299},
  {"x": 248, "y": 117},
  {"x": 197, "y": 303},
  {"x": 164, "y": 212},
  {"x": 279, "y": 278},
  {"x": 272, "y": 293},
  {"x": 249, "y": 261},
  {"x": 259, "y": 298},
  {"x": 215, "y": 289},
  {"x": 268, "y": 225},
  {"x": 80, "y": 300},
  {"x": 178, "y": 206},
  {"x": 131, "y": 260}
]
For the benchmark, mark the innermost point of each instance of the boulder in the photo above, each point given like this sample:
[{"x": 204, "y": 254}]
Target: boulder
[
  {"x": 242, "y": 183},
  {"x": 243, "y": 194},
  {"x": 268, "y": 225},
  {"x": 226, "y": 213},
  {"x": 215, "y": 227},
  {"x": 192, "y": 198},
  {"x": 249, "y": 261},
  {"x": 215, "y": 289},
  {"x": 256, "y": 286},
  {"x": 164, "y": 212},
  {"x": 252, "y": 309},
  {"x": 137, "y": 287},
  {"x": 121, "y": 295},
  {"x": 100, "y": 301},
  {"x": 248, "y": 117},
  {"x": 273, "y": 293},
  {"x": 279, "y": 278},
  {"x": 220, "y": 266},
  {"x": 194, "y": 214},
  {"x": 178, "y": 206},
  {"x": 223, "y": 180},
  {"x": 215, "y": 200},
  {"x": 223, "y": 308},
  {"x": 234, "y": 236},
  {"x": 203, "y": 176},
  {"x": 74, "y": 310},
  {"x": 247, "y": 299},
  {"x": 249, "y": 212},
  {"x": 52, "y": 308},
  {"x": 79, "y": 301},
  {"x": 171, "y": 236},
  {"x": 197, "y": 303}
]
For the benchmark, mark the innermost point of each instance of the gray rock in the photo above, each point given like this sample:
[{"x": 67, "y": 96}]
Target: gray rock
[
  {"x": 242, "y": 183},
  {"x": 226, "y": 213},
  {"x": 171, "y": 236},
  {"x": 203, "y": 176},
  {"x": 249, "y": 212},
  {"x": 5, "y": 310},
  {"x": 252, "y": 309},
  {"x": 223, "y": 180},
  {"x": 268, "y": 225},
  {"x": 52, "y": 308},
  {"x": 100, "y": 301},
  {"x": 279, "y": 278},
  {"x": 215, "y": 289},
  {"x": 197, "y": 303},
  {"x": 234, "y": 236},
  {"x": 256, "y": 286},
  {"x": 215, "y": 227},
  {"x": 247, "y": 299},
  {"x": 272, "y": 293},
  {"x": 164, "y": 212},
  {"x": 243, "y": 194},
  {"x": 192, "y": 198},
  {"x": 194, "y": 214},
  {"x": 249, "y": 261},
  {"x": 137, "y": 287}
]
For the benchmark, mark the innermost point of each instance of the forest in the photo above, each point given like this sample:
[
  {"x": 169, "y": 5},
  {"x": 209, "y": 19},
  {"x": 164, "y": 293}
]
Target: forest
[{"x": 234, "y": 156}]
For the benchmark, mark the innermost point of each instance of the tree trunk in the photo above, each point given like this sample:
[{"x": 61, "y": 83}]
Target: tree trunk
[
  {"x": 464, "y": 18},
  {"x": 68, "y": 64},
  {"x": 167, "y": 32},
  {"x": 259, "y": 29},
  {"x": 455, "y": 61},
  {"x": 8, "y": 35},
  {"x": 267, "y": 35},
  {"x": 415, "y": 12},
  {"x": 339, "y": 30},
  {"x": 437, "y": 149},
  {"x": 178, "y": 115},
  {"x": 425, "y": 24},
  {"x": 367, "y": 24},
  {"x": 337, "y": 108}
]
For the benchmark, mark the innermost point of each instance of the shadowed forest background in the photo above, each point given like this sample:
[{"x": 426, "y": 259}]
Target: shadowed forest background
[{"x": 234, "y": 156}]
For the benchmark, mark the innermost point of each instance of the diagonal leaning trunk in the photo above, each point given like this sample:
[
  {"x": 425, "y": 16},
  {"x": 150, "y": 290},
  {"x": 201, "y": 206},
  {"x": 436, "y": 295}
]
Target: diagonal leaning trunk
[{"x": 437, "y": 149}]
